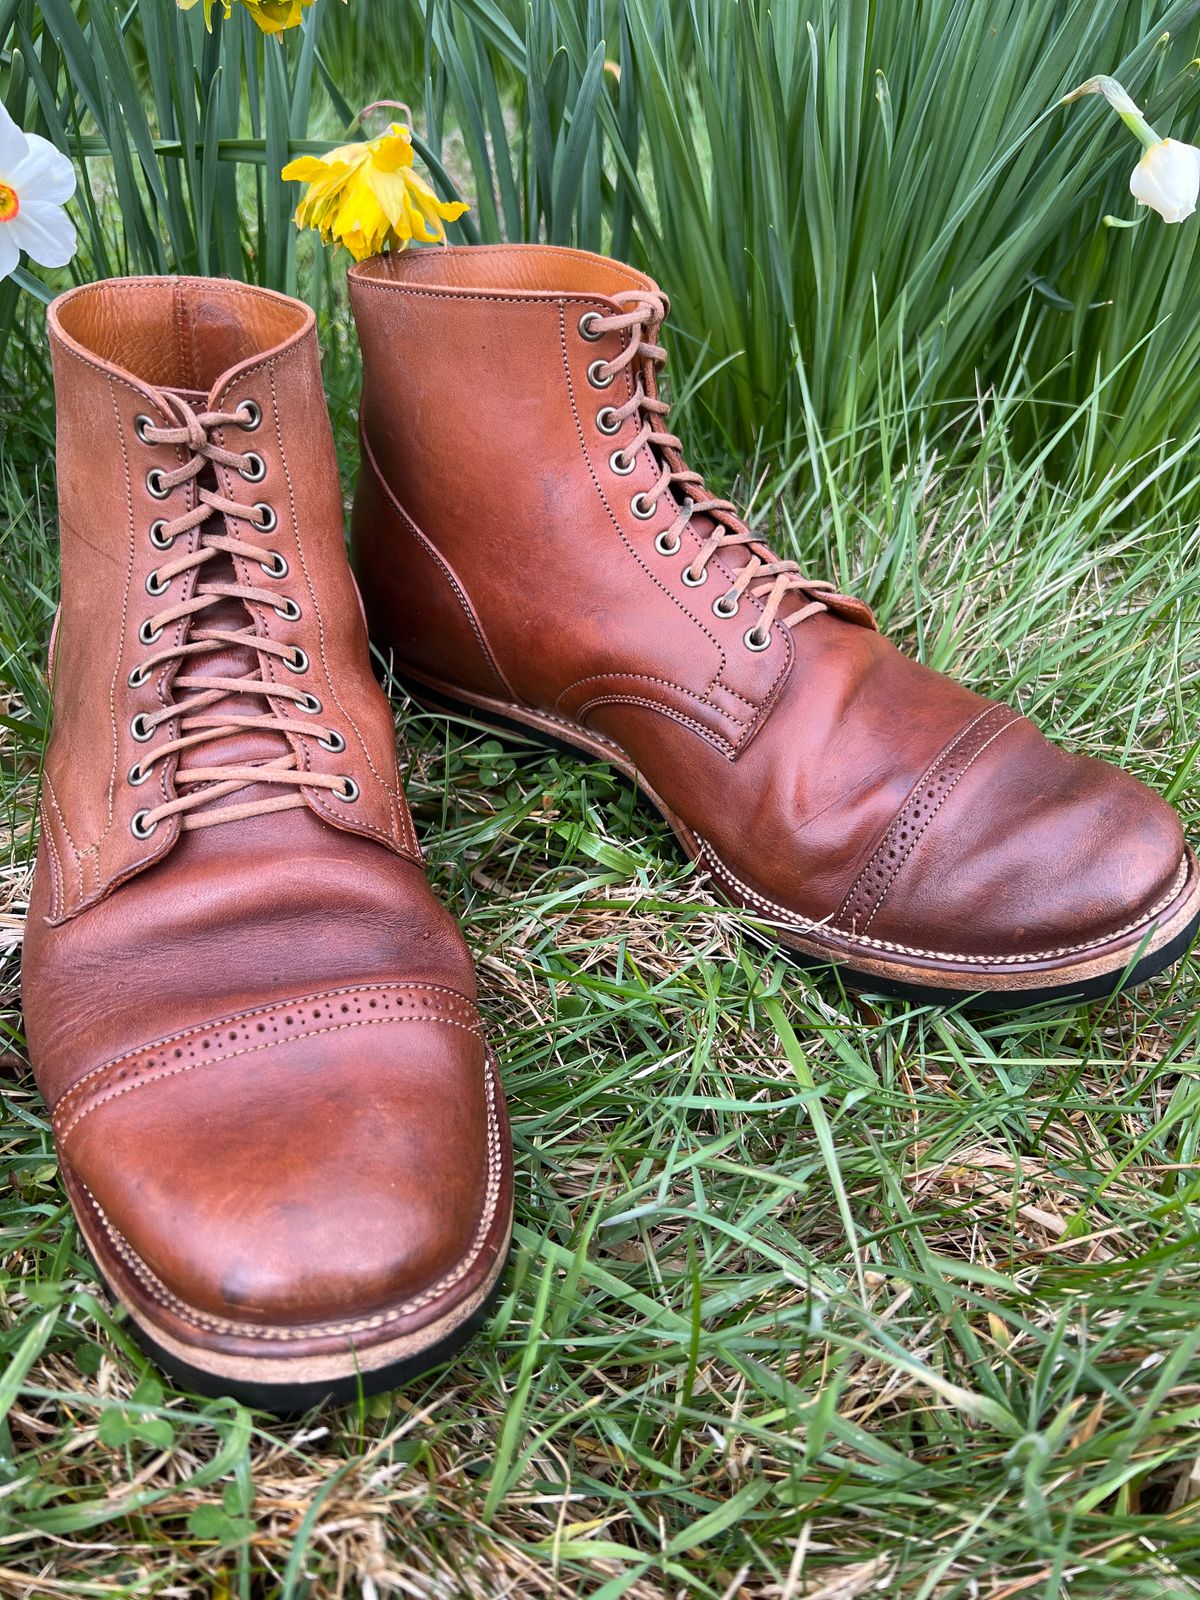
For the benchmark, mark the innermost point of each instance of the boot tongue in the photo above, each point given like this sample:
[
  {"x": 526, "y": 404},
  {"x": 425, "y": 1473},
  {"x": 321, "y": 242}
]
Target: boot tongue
[
  {"x": 225, "y": 660},
  {"x": 734, "y": 557}
]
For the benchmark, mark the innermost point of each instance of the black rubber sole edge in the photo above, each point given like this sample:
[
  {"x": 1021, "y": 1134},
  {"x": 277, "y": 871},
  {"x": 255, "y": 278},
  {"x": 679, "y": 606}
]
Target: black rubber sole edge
[
  {"x": 1000, "y": 1001},
  {"x": 292, "y": 1399},
  {"x": 995, "y": 1001}
]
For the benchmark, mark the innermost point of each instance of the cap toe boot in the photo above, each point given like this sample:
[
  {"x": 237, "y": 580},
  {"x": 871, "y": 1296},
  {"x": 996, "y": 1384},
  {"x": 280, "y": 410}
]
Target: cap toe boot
[
  {"x": 532, "y": 543},
  {"x": 280, "y": 1125}
]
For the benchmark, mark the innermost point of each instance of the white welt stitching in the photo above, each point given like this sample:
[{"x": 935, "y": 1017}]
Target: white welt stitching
[{"x": 720, "y": 870}]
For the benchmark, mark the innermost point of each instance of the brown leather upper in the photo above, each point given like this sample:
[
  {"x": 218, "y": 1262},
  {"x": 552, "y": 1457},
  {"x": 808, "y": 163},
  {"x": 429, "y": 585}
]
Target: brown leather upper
[
  {"x": 255, "y": 1026},
  {"x": 837, "y": 782}
]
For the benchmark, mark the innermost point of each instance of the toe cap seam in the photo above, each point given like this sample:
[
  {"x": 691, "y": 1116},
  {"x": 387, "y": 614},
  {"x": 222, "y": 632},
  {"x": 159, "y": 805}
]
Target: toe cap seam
[
  {"x": 899, "y": 844},
  {"x": 95, "y": 1088}
]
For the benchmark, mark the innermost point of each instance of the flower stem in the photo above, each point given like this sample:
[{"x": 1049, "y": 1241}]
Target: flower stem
[{"x": 1121, "y": 102}]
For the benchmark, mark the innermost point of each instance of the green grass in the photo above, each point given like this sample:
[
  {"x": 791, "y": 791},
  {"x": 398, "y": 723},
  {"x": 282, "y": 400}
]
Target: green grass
[{"x": 812, "y": 1295}]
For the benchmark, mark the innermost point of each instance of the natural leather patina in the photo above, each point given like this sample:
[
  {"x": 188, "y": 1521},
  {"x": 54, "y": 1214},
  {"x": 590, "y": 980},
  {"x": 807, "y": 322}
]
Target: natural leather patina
[
  {"x": 531, "y": 542},
  {"x": 278, "y": 1121}
]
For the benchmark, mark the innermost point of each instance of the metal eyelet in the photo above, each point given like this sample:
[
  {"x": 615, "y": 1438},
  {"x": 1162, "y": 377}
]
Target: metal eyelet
[
  {"x": 608, "y": 421},
  {"x": 155, "y": 485},
  {"x": 148, "y": 634},
  {"x": 156, "y": 536},
  {"x": 289, "y": 610},
  {"x": 755, "y": 639},
  {"x": 297, "y": 661},
  {"x": 335, "y": 743},
  {"x": 587, "y": 326},
  {"x": 138, "y": 677},
  {"x": 310, "y": 705},
  {"x": 723, "y": 609},
  {"x": 139, "y": 728},
  {"x": 621, "y": 464},
  {"x": 137, "y": 775},
  {"x": 140, "y": 424},
  {"x": 156, "y": 584},
  {"x": 252, "y": 415},
  {"x": 253, "y": 467},
  {"x": 691, "y": 579},
  {"x": 139, "y": 827},
  {"x": 349, "y": 791},
  {"x": 266, "y": 521},
  {"x": 596, "y": 376},
  {"x": 277, "y": 567},
  {"x": 666, "y": 546},
  {"x": 642, "y": 508}
]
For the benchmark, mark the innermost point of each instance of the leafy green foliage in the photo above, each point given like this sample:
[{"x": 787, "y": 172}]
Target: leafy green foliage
[{"x": 840, "y": 195}]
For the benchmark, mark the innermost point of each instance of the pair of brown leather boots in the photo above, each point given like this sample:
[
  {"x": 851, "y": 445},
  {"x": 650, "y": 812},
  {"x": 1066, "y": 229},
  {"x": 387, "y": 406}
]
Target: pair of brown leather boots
[{"x": 280, "y": 1125}]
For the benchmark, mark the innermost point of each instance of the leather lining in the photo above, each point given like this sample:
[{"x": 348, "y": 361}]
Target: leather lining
[
  {"x": 533, "y": 268},
  {"x": 216, "y": 325}
]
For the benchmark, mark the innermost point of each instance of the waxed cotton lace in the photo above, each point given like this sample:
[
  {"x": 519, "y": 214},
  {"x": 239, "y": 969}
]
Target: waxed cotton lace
[
  {"x": 764, "y": 575},
  {"x": 198, "y": 724}
]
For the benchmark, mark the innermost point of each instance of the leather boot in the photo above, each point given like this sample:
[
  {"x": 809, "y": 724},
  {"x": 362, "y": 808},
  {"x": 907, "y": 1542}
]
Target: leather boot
[
  {"x": 279, "y": 1125},
  {"x": 531, "y": 543}
]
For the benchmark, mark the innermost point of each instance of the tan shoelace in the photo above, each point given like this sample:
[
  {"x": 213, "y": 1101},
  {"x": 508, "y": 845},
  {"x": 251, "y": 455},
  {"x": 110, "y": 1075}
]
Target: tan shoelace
[
  {"x": 764, "y": 575},
  {"x": 205, "y": 784}
]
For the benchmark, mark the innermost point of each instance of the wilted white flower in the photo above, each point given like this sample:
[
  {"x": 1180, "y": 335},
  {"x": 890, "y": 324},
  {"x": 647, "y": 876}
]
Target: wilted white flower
[
  {"x": 36, "y": 181},
  {"x": 1167, "y": 179}
]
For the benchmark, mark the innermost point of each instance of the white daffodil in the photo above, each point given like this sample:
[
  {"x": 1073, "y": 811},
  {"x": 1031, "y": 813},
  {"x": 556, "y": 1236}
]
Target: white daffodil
[
  {"x": 1167, "y": 179},
  {"x": 36, "y": 181}
]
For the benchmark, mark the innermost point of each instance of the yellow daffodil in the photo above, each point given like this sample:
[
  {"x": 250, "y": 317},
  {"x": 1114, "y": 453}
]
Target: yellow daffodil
[
  {"x": 369, "y": 197},
  {"x": 272, "y": 16}
]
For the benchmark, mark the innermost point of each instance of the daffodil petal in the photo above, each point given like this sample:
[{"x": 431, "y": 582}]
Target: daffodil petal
[
  {"x": 1167, "y": 179},
  {"x": 14, "y": 146},
  {"x": 275, "y": 16},
  {"x": 10, "y": 251},
  {"x": 394, "y": 154},
  {"x": 389, "y": 191},
  {"x": 44, "y": 232},
  {"x": 305, "y": 169},
  {"x": 45, "y": 173},
  {"x": 368, "y": 196}
]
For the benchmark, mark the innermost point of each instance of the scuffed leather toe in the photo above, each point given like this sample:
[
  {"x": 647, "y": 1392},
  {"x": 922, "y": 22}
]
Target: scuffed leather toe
[
  {"x": 348, "y": 1167},
  {"x": 1024, "y": 852}
]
